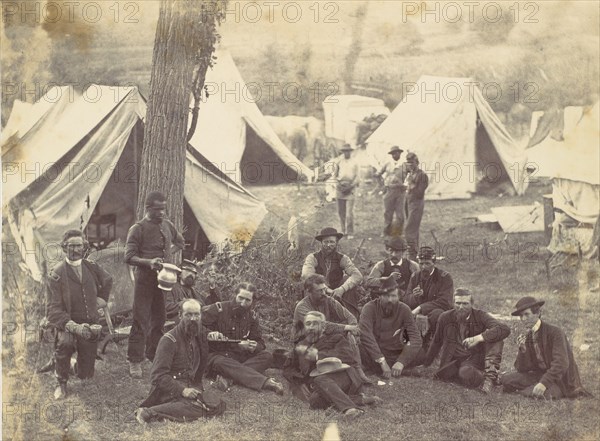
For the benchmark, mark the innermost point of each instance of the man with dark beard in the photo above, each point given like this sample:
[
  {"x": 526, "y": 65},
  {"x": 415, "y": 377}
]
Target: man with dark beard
[
  {"x": 471, "y": 341},
  {"x": 177, "y": 393},
  {"x": 396, "y": 265},
  {"x": 244, "y": 360},
  {"x": 429, "y": 291},
  {"x": 324, "y": 367},
  {"x": 383, "y": 323},
  {"x": 333, "y": 265},
  {"x": 185, "y": 288}
]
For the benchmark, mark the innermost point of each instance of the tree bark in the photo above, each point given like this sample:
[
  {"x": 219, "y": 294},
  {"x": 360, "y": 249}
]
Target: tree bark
[{"x": 183, "y": 47}]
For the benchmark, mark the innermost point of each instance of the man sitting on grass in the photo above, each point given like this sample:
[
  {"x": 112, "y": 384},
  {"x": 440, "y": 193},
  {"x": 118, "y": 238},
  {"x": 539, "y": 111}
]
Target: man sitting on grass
[
  {"x": 383, "y": 323},
  {"x": 176, "y": 377},
  {"x": 471, "y": 342},
  {"x": 323, "y": 368},
  {"x": 244, "y": 360},
  {"x": 545, "y": 364}
]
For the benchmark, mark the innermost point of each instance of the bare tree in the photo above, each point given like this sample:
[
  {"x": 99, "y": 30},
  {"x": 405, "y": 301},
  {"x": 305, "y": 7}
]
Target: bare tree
[{"x": 186, "y": 35}]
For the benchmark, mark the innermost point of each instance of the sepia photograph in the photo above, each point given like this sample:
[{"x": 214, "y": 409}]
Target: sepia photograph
[{"x": 319, "y": 220}]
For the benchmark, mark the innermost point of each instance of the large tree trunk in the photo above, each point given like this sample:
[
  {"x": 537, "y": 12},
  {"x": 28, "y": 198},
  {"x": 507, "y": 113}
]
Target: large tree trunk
[{"x": 183, "y": 47}]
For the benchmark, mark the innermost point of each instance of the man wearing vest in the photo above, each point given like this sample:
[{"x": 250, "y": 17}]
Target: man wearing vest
[
  {"x": 150, "y": 242},
  {"x": 430, "y": 291},
  {"x": 383, "y": 324},
  {"x": 417, "y": 182},
  {"x": 396, "y": 266},
  {"x": 471, "y": 341},
  {"x": 333, "y": 265},
  {"x": 243, "y": 360},
  {"x": 545, "y": 366},
  {"x": 393, "y": 173},
  {"x": 75, "y": 288}
]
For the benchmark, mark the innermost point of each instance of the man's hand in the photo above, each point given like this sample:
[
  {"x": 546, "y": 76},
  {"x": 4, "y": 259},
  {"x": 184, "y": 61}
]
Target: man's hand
[
  {"x": 417, "y": 291},
  {"x": 83, "y": 330},
  {"x": 248, "y": 345},
  {"x": 417, "y": 310},
  {"x": 538, "y": 390},
  {"x": 301, "y": 349},
  {"x": 387, "y": 372},
  {"x": 156, "y": 263},
  {"x": 397, "y": 369},
  {"x": 190, "y": 392},
  {"x": 312, "y": 354},
  {"x": 337, "y": 293},
  {"x": 471, "y": 342},
  {"x": 352, "y": 329},
  {"x": 215, "y": 336}
]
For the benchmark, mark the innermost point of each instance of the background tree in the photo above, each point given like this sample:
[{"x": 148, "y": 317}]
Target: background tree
[{"x": 185, "y": 40}]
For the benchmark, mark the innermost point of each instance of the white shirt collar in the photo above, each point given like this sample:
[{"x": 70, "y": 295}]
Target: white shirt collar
[{"x": 74, "y": 262}]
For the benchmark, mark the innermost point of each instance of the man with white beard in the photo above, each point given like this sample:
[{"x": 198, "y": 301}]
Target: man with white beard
[{"x": 176, "y": 377}]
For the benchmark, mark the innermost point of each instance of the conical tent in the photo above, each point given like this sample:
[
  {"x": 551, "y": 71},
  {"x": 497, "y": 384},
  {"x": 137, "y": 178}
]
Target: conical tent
[
  {"x": 77, "y": 165},
  {"x": 234, "y": 135},
  {"x": 460, "y": 142}
]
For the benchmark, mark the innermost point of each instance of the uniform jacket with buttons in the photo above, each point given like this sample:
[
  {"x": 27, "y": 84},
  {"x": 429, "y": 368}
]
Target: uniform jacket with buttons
[
  {"x": 235, "y": 325},
  {"x": 63, "y": 283}
]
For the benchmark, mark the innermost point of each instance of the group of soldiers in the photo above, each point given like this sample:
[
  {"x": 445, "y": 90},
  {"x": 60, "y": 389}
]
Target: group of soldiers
[{"x": 412, "y": 316}]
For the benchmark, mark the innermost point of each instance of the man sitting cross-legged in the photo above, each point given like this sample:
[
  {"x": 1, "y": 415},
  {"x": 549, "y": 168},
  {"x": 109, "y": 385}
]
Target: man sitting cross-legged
[
  {"x": 471, "y": 341},
  {"x": 383, "y": 323},
  {"x": 323, "y": 364},
  {"x": 545, "y": 366},
  {"x": 176, "y": 377},
  {"x": 245, "y": 361}
]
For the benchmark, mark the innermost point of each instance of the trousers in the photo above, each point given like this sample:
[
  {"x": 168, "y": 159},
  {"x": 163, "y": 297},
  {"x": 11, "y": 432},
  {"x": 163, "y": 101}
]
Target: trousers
[
  {"x": 346, "y": 213},
  {"x": 393, "y": 202},
  {"x": 333, "y": 389},
  {"x": 148, "y": 317},
  {"x": 472, "y": 368},
  {"x": 390, "y": 358},
  {"x": 414, "y": 214},
  {"x": 524, "y": 382},
  {"x": 246, "y": 371},
  {"x": 66, "y": 345}
]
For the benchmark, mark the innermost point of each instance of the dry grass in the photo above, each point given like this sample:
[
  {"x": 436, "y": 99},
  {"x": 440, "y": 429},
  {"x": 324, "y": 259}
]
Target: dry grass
[{"x": 414, "y": 408}]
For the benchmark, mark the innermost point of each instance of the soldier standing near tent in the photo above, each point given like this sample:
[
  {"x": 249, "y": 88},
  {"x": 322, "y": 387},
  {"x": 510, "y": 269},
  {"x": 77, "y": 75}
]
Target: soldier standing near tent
[
  {"x": 346, "y": 173},
  {"x": 393, "y": 201},
  {"x": 76, "y": 286},
  {"x": 416, "y": 182},
  {"x": 150, "y": 242}
]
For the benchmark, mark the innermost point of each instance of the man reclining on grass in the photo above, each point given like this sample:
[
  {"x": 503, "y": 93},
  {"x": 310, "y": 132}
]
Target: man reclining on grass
[
  {"x": 323, "y": 369},
  {"x": 176, "y": 377},
  {"x": 471, "y": 342},
  {"x": 545, "y": 364}
]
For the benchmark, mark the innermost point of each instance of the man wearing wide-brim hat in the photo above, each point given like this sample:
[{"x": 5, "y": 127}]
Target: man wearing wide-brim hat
[
  {"x": 342, "y": 276},
  {"x": 345, "y": 171},
  {"x": 394, "y": 174},
  {"x": 396, "y": 265},
  {"x": 545, "y": 366}
]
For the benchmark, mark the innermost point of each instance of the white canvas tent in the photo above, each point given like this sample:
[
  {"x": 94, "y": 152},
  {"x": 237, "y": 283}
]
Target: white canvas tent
[
  {"x": 343, "y": 113},
  {"x": 461, "y": 143},
  {"x": 72, "y": 160},
  {"x": 574, "y": 166},
  {"x": 234, "y": 134}
]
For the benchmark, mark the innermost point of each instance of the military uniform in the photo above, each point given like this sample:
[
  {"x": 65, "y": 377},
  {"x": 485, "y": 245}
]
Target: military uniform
[
  {"x": 72, "y": 295},
  {"x": 229, "y": 359},
  {"x": 177, "y": 294}
]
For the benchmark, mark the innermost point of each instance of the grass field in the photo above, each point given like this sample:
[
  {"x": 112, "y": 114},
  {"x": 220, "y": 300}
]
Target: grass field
[{"x": 414, "y": 408}]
